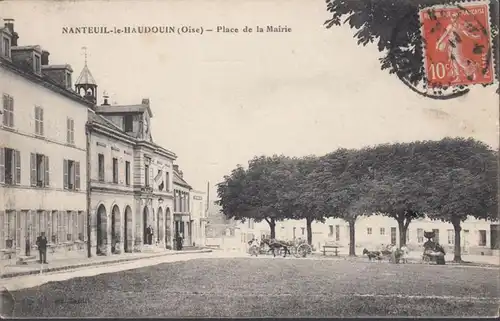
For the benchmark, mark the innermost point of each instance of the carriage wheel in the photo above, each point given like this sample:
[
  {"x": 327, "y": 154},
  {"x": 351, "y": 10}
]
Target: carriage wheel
[
  {"x": 283, "y": 251},
  {"x": 303, "y": 250}
]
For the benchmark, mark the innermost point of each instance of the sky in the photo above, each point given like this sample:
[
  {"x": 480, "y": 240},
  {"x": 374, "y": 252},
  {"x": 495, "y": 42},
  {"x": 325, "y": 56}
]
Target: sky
[{"x": 218, "y": 99}]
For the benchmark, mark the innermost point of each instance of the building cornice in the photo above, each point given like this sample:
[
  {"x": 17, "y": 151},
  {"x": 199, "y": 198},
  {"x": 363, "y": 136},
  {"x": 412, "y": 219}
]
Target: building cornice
[
  {"x": 157, "y": 149},
  {"x": 44, "y": 82},
  {"x": 111, "y": 132}
]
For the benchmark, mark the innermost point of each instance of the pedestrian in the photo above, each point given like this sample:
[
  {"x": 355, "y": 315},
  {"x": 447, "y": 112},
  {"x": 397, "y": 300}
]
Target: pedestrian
[
  {"x": 405, "y": 253},
  {"x": 148, "y": 233},
  {"x": 41, "y": 243}
]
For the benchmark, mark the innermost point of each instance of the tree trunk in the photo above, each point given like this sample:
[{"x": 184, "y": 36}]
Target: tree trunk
[
  {"x": 309, "y": 231},
  {"x": 403, "y": 228},
  {"x": 352, "y": 237},
  {"x": 272, "y": 226},
  {"x": 457, "y": 255}
]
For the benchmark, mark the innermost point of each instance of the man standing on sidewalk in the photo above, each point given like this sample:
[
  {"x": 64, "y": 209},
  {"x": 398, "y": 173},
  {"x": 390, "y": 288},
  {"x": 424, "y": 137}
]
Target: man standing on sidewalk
[{"x": 41, "y": 242}]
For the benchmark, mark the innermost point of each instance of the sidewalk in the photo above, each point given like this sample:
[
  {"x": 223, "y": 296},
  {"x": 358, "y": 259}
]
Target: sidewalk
[
  {"x": 416, "y": 256},
  {"x": 476, "y": 259},
  {"x": 10, "y": 271}
]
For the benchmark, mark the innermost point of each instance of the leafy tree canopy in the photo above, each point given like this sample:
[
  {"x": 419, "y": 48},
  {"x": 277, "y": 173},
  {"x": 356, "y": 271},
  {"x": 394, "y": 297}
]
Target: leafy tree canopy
[
  {"x": 257, "y": 191},
  {"x": 395, "y": 26}
]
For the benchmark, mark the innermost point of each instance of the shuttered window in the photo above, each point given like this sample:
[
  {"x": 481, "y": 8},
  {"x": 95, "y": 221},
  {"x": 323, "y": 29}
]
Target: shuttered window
[
  {"x": 77, "y": 175},
  {"x": 2, "y": 229},
  {"x": 17, "y": 165},
  {"x": 33, "y": 169},
  {"x": 70, "y": 131},
  {"x": 47, "y": 170},
  {"x": 2, "y": 167},
  {"x": 8, "y": 111},
  {"x": 65, "y": 175},
  {"x": 39, "y": 121},
  {"x": 39, "y": 170},
  {"x": 71, "y": 174}
]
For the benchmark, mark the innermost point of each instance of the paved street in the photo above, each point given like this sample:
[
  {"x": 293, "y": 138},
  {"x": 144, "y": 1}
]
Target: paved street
[{"x": 218, "y": 285}]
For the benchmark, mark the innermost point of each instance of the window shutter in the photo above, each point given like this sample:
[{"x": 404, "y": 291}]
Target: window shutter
[
  {"x": 72, "y": 131},
  {"x": 33, "y": 169},
  {"x": 5, "y": 108},
  {"x": 37, "y": 120},
  {"x": 77, "y": 175},
  {"x": 65, "y": 176},
  {"x": 17, "y": 159},
  {"x": 68, "y": 132},
  {"x": 2, "y": 165},
  {"x": 41, "y": 121},
  {"x": 11, "y": 108},
  {"x": 47, "y": 171}
]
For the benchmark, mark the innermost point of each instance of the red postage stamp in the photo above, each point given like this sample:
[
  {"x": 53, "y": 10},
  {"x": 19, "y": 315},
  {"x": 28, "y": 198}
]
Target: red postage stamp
[{"x": 457, "y": 48}]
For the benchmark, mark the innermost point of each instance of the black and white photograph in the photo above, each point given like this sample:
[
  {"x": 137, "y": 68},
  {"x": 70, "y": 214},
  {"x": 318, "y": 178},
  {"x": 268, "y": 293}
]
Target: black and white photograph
[{"x": 249, "y": 158}]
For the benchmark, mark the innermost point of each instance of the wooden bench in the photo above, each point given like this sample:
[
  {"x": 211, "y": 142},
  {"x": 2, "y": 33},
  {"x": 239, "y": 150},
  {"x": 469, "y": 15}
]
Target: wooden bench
[{"x": 331, "y": 246}]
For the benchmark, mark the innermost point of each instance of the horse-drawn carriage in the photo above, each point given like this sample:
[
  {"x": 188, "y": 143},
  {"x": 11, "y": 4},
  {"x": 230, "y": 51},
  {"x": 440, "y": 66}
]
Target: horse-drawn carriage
[{"x": 297, "y": 248}]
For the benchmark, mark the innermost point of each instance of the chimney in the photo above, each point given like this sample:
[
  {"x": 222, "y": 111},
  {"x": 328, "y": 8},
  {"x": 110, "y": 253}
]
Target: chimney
[
  {"x": 9, "y": 24},
  {"x": 176, "y": 168},
  {"x": 145, "y": 101},
  {"x": 106, "y": 97},
  {"x": 45, "y": 58}
]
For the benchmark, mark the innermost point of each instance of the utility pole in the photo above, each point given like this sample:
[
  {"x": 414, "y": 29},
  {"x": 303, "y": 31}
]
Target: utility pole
[{"x": 208, "y": 195}]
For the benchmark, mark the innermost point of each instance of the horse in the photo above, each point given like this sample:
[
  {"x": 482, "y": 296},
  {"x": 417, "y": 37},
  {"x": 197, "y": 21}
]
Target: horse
[
  {"x": 275, "y": 245},
  {"x": 372, "y": 254}
]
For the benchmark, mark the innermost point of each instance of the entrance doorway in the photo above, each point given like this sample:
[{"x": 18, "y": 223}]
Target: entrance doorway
[
  {"x": 127, "y": 229},
  {"x": 145, "y": 215},
  {"x": 159, "y": 225},
  {"x": 101, "y": 230},
  {"x": 115, "y": 228},
  {"x": 393, "y": 235},
  {"x": 495, "y": 236},
  {"x": 168, "y": 221},
  {"x": 465, "y": 242}
]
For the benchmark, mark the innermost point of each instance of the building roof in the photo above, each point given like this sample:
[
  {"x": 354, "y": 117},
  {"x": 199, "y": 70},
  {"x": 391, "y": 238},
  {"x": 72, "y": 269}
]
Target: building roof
[
  {"x": 86, "y": 77},
  {"x": 177, "y": 179},
  {"x": 119, "y": 109},
  {"x": 95, "y": 118},
  {"x": 44, "y": 81}
]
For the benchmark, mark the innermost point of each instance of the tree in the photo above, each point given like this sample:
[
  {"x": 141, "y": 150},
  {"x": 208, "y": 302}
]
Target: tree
[
  {"x": 395, "y": 26},
  {"x": 302, "y": 198},
  {"x": 341, "y": 187},
  {"x": 255, "y": 192},
  {"x": 399, "y": 186},
  {"x": 465, "y": 183}
]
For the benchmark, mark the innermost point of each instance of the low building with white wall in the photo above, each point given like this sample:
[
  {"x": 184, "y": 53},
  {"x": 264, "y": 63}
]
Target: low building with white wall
[
  {"x": 478, "y": 236},
  {"x": 198, "y": 217}
]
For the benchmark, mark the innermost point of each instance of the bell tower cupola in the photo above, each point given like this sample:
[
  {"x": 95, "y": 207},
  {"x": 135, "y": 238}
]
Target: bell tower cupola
[{"x": 85, "y": 85}]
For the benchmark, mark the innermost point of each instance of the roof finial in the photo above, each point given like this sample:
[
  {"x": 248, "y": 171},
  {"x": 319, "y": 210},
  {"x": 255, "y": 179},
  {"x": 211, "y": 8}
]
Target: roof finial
[{"x": 85, "y": 53}]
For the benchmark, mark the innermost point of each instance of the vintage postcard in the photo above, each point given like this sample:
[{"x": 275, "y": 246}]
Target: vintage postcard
[{"x": 249, "y": 158}]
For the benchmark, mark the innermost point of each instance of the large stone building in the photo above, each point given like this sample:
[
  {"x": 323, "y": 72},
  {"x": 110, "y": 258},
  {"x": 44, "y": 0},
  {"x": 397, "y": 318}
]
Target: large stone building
[
  {"x": 43, "y": 177},
  {"x": 130, "y": 176}
]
